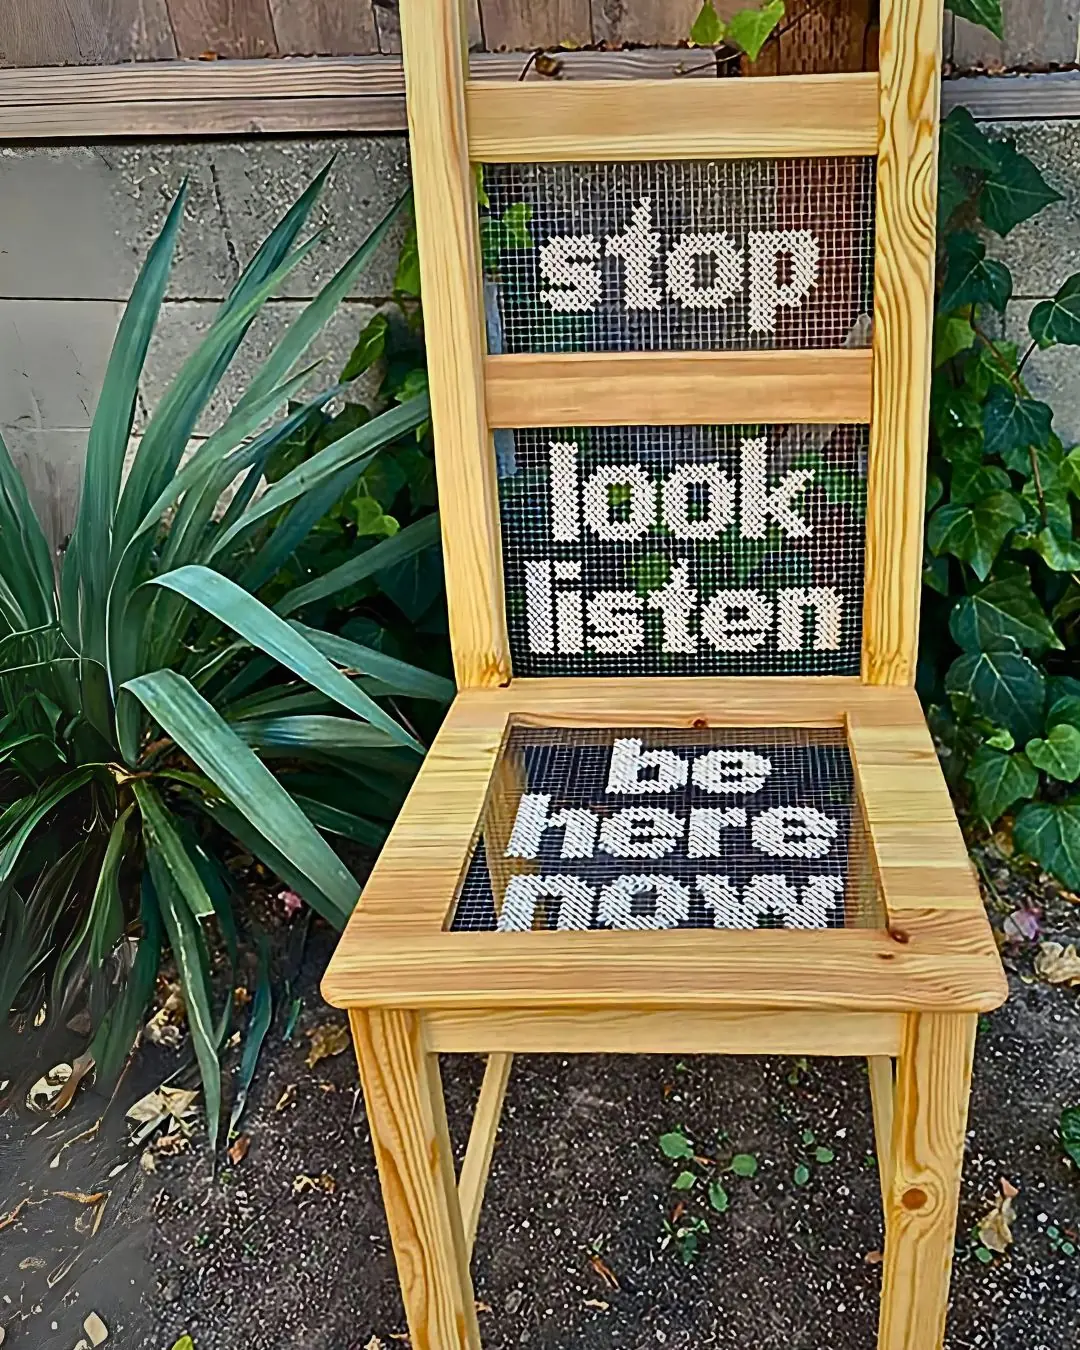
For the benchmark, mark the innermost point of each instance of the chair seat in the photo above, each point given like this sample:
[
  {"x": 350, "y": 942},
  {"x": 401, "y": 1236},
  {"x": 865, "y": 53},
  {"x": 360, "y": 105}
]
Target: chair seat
[{"x": 682, "y": 843}]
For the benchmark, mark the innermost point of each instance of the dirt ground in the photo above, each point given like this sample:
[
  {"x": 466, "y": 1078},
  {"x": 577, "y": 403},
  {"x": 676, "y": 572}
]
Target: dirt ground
[{"x": 570, "y": 1250}]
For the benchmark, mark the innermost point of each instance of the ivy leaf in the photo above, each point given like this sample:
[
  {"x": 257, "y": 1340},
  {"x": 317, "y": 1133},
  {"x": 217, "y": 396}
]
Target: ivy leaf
[
  {"x": 708, "y": 28},
  {"x": 935, "y": 489},
  {"x": 953, "y": 192},
  {"x": 1058, "y": 320},
  {"x": 997, "y": 780},
  {"x": 1001, "y": 684},
  {"x": 1013, "y": 422},
  {"x": 749, "y": 29},
  {"x": 407, "y": 276},
  {"x": 370, "y": 345},
  {"x": 1059, "y": 754},
  {"x": 1064, "y": 710},
  {"x": 963, "y": 143},
  {"x": 1069, "y": 1129},
  {"x": 972, "y": 480},
  {"x": 1014, "y": 191},
  {"x": 953, "y": 334},
  {"x": 1005, "y": 608},
  {"x": 986, "y": 13},
  {"x": 971, "y": 278},
  {"x": 1060, "y": 554},
  {"x": 975, "y": 532},
  {"x": 516, "y": 220},
  {"x": 1049, "y": 832},
  {"x": 936, "y": 573}
]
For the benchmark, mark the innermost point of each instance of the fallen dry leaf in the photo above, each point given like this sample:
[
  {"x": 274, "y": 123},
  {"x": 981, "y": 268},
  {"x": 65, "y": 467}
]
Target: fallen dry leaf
[
  {"x": 874, "y": 1258},
  {"x": 603, "y": 1270},
  {"x": 598, "y": 1303},
  {"x": 169, "y": 1145},
  {"x": 481, "y": 1306},
  {"x": 995, "y": 1227},
  {"x": 80, "y": 1197},
  {"x": 164, "y": 1101},
  {"x": 286, "y": 1098},
  {"x": 96, "y": 1329},
  {"x": 323, "y": 1182},
  {"x": 331, "y": 1038},
  {"x": 48, "y": 1087},
  {"x": 238, "y": 1149},
  {"x": 375, "y": 1344},
  {"x": 32, "y": 1263},
  {"x": 148, "y": 1162},
  {"x": 1057, "y": 964}
]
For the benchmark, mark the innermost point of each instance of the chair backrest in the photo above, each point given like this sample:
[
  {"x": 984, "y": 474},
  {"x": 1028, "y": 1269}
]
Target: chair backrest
[{"x": 679, "y": 358}]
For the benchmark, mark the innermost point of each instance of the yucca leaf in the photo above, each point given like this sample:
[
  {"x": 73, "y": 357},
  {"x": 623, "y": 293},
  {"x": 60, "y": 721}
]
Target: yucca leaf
[
  {"x": 411, "y": 540},
  {"x": 292, "y": 735},
  {"x": 262, "y": 1012},
  {"x": 313, "y": 318},
  {"x": 26, "y": 571},
  {"x": 104, "y": 921},
  {"x": 189, "y": 951},
  {"x": 158, "y": 832},
  {"x": 398, "y": 676},
  {"x": 115, "y": 1036},
  {"x": 337, "y": 821},
  {"x": 260, "y": 626},
  {"x": 355, "y": 448},
  {"x": 33, "y": 810},
  {"x": 288, "y": 534},
  {"x": 247, "y": 783}
]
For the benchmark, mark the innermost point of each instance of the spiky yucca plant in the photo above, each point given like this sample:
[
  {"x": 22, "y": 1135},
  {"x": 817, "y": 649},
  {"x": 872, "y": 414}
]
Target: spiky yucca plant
[{"x": 152, "y": 708}]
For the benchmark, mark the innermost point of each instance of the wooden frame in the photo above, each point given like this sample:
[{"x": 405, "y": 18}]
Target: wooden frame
[{"x": 905, "y": 994}]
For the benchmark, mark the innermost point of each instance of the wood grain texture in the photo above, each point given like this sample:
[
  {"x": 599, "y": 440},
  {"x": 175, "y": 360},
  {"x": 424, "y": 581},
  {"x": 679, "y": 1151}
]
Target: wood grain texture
[
  {"x": 634, "y": 1031},
  {"x": 663, "y": 388},
  {"x": 388, "y": 24},
  {"x": 882, "y": 1073},
  {"x": 228, "y": 28},
  {"x": 446, "y": 223},
  {"x": 510, "y": 24},
  {"x": 933, "y": 1080},
  {"x": 481, "y": 1145},
  {"x": 903, "y": 319},
  {"x": 407, "y": 1116},
  {"x": 84, "y": 32},
  {"x": 652, "y": 21},
  {"x": 324, "y": 27},
  {"x": 664, "y": 119}
]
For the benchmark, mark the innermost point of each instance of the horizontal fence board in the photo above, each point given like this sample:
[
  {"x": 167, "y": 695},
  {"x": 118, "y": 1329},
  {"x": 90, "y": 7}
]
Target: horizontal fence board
[
  {"x": 678, "y": 388},
  {"x": 665, "y": 119}
]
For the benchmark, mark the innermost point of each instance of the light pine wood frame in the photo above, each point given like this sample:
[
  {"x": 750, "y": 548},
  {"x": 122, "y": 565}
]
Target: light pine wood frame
[{"x": 905, "y": 995}]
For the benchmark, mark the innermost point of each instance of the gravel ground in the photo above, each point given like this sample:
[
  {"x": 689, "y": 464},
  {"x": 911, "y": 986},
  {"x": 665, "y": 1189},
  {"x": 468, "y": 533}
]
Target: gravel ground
[{"x": 571, "y": 1244}]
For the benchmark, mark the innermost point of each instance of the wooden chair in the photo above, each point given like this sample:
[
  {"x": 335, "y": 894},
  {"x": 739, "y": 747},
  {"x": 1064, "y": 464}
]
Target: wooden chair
[{"x": 489, "y": 926}]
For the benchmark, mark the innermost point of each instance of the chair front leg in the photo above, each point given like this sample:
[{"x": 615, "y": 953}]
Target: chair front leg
[
  {"x": 933, "y": 1084},
  {"x": 407, "y": 1114}
]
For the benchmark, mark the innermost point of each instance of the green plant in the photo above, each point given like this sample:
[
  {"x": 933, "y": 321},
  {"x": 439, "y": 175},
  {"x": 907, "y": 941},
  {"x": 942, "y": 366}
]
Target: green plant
[
  {"x": 1002, "y": 573},
  {"x": 154, "y": 711},
  {"x": 746, "y": 31}
]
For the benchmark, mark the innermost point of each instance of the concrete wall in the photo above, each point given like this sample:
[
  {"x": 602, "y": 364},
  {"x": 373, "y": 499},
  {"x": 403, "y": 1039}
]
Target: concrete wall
[{"x": 75, "y": 225}]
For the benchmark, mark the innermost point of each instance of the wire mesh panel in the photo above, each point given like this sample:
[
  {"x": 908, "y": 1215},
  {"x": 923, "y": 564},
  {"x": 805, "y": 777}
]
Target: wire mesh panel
[
  {"x": 684, "y": 255},
  {"x": 716, "y": 550},
  {"x": 663, "y": 828}
]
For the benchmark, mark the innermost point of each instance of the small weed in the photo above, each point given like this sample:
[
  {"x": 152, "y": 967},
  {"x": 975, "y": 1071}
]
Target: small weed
[
  {"x": 685, "y": 1235},
  {"x": 699, "y": 1175},
  {"x": 799, "y": 1069}
]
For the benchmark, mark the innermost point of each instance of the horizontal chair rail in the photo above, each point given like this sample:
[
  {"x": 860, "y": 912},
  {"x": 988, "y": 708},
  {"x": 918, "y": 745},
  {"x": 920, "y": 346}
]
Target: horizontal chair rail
[
  {"x": 634, "y": 1031},
  {"x": 678, "y": 388},
  {"x": 796, "y": 115}
]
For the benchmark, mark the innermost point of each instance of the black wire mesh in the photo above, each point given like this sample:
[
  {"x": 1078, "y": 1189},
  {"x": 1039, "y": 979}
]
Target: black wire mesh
[
  {"x": 695, "y": 550},
  {"x": 662, "y": 828},
  {"x": 687, "y": 254}
]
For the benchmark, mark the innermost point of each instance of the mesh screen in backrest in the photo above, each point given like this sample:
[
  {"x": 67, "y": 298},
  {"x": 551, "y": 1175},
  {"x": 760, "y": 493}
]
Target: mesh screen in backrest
[
  {"x": 696, "y": 550},
  {"x": 679, "y": 255},
  {"x": 664, "y": 828}
]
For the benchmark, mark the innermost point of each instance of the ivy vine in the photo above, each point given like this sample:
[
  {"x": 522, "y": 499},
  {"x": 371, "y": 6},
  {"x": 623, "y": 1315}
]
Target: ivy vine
[{"x": 1001, "y": 612}]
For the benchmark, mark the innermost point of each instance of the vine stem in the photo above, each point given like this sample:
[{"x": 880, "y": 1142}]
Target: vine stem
[{"x": 1024, "y": 359}]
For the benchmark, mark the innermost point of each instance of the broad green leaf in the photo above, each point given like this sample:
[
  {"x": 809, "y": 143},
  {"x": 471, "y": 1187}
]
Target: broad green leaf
[
  {"x": 972, "y": 480},
  {"x": 189, "y": 951},
  {"x": 271, "y": 634},
  {"x": 1009, "y": 608},
  {"x": 370, "y": 346},
  {"x": 953, "y": 193},
  {"x": 953, "y": 334},
  {"x": 159, "y": 833},
  {"x": 1070, "y": 471},
  {"x": 1059, "y": 754},
  {"x": 971, "y": 278},
  {"x": 1013, "y": 191},
  {"x": 1060, "y": 554},
  {"x": 262, "y": 1012},
  {"x": 963, "y": 143},
  {"x": 986, "y": 13},
  {"x": 1013, "y": 422},
  {"x": 247, "y": 783},
  {"x": 398, "y": 676},
  {"x": 1069, "y": 1130},
  {"x": 718, "y": 1197},
  {"x": 1049, "y": 832},
  {"x": 998, "y": 780},
  {"x": 407, "y": 276},
  {"x": 1001, "y": 684},
  {"x": 749, "y": 29},
  {"x": 685, "y": 1181},
  {"x": 422, "y": 534},
  {"x": 975, "y": 532},
  {"x": 744, "y": 1165},
  {"x": 1058, "y": 320},
  {"x": 676, "y": 1145},
  {"x": 1064, "y": 708},
  {"x": 708, "y": 28}
]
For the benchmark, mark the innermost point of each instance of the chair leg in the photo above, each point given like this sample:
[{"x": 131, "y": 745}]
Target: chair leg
[
  {"x": 407, "y": 1115},
  {"x": 882, "y": 1070},
  {"x": 933, "y": 1083}
]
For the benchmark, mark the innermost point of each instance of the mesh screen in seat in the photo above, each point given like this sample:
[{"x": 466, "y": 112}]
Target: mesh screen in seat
[
  {"x": 679, "y": 255},
  {"x": 659, "y": 828},
  {"x": 698, "y": 550}
]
